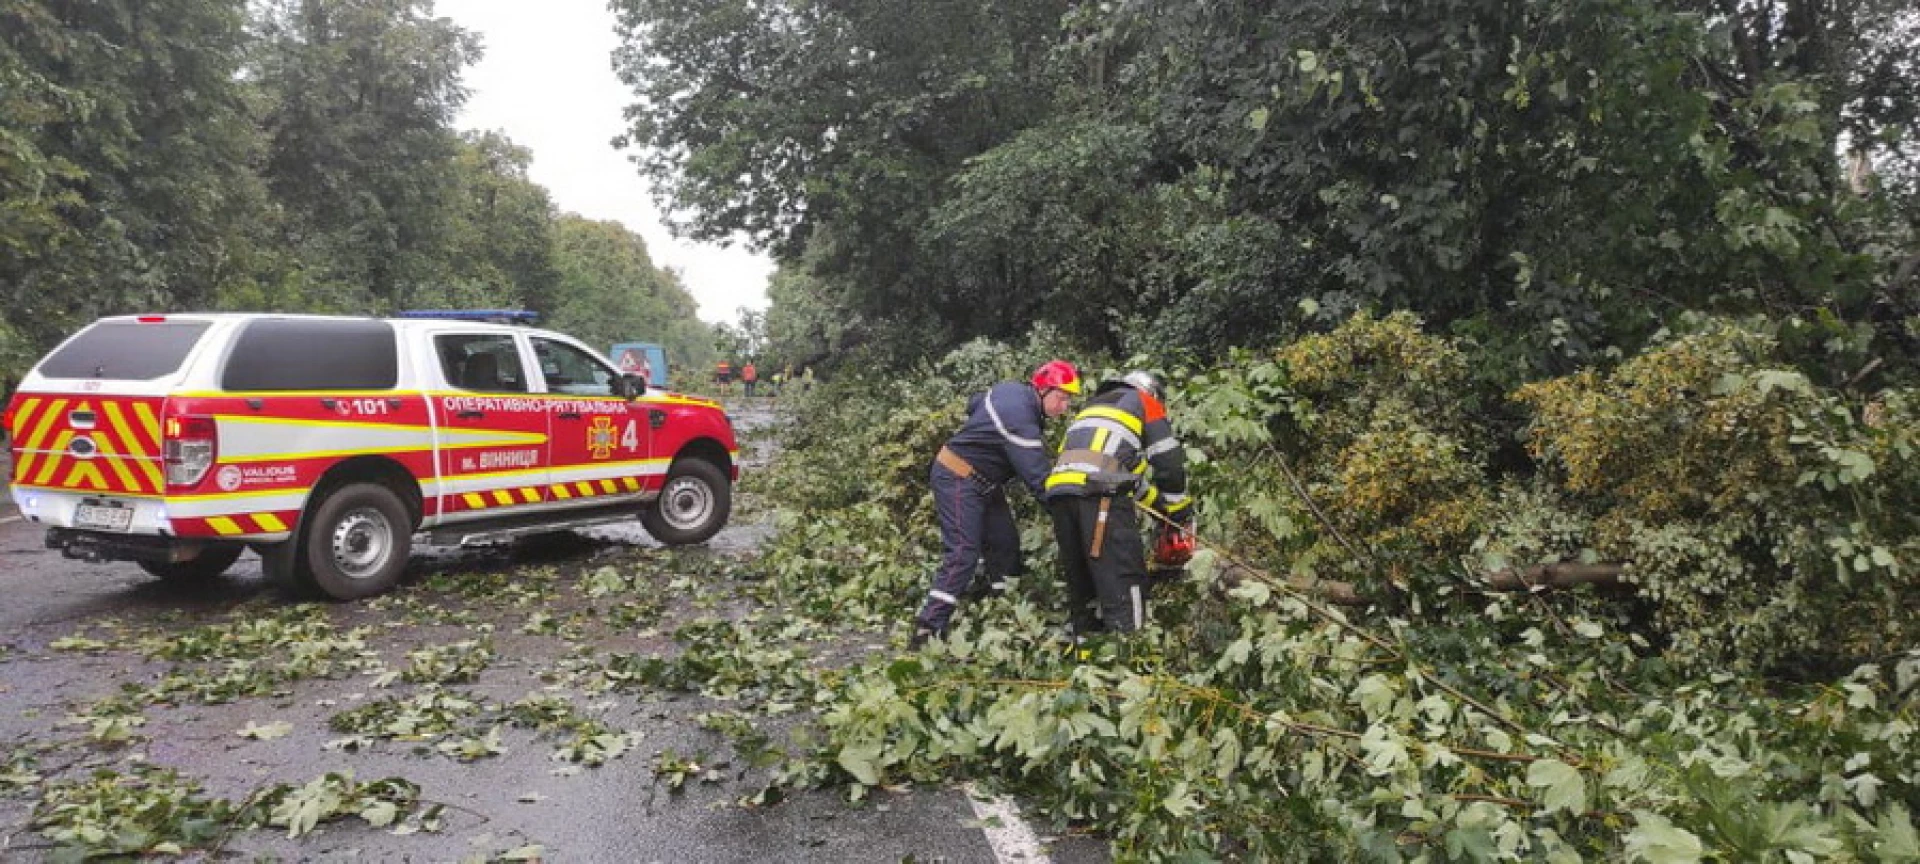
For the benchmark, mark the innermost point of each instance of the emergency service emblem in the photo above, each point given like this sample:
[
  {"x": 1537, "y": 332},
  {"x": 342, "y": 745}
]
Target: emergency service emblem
[{"x": 600, "y": 437}]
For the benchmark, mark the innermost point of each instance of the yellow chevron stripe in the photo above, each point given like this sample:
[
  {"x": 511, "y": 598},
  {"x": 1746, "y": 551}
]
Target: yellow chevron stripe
[
  {"x": 269, "y": 522},
  {"x": 586, "y": 489},
  {"x": 474, "y": 501},
  {"x": 223, "y": 525},
  {"x": 134, "y": 445},
  {"x": 24, "y": 418},
  {"x": 89, "y": 473},
  {"x": 113, "y": 460},
  {"x": 632, "y": 483},
  {"x": 560, "y": 491},
  {"x": 60, "y": 443},
  {"x": 530, "y": 495},
  {"x": 608, "y": 487},
  {"x": 46, "y": 423},
  {"x": 24, "y": 466},
  {"x": 148, "y": 423},
  {"x": 503, "y": 496}
]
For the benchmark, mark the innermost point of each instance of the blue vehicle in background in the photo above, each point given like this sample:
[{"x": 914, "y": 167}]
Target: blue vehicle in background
[{"x": 641, "y": 358}]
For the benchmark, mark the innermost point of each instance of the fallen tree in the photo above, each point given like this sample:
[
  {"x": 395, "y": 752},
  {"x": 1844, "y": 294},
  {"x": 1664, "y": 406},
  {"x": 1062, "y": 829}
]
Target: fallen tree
[{"x": 1536, "y": 577}]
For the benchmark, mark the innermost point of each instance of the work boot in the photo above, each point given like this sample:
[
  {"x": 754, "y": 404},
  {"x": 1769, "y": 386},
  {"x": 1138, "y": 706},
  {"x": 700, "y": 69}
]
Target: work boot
[{"x": 919, "y": 638}]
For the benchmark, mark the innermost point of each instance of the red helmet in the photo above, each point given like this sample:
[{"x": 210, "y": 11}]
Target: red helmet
[{"x": 1057, "y": 374}]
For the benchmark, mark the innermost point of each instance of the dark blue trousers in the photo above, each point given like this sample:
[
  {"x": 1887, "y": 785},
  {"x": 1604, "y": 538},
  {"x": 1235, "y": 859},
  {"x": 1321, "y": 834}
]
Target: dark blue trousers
[{"x": 975, "y": 523}]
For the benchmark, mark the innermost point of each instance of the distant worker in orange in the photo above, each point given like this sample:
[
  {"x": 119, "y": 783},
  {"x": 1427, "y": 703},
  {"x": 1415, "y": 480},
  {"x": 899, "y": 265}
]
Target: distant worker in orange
[
  {"x": 748, "y": 375},
  {"x": 722, "y": 374}
]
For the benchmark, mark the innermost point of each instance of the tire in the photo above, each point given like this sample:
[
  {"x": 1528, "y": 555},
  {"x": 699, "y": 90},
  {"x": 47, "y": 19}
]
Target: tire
[
  {"x": 355, "y": 544},
  {"x": 205, "y": 567},
  {"x": 693, "y": 504}
]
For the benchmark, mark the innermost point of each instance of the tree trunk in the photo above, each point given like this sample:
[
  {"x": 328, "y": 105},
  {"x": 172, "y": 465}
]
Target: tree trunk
[{"x": 1542, "y": 576}]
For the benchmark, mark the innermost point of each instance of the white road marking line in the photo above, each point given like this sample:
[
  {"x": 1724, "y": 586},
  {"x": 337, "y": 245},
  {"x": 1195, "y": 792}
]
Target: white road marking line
[
  {"x": 5, "y": 519},
  {"x": 1011, "y": 838}
]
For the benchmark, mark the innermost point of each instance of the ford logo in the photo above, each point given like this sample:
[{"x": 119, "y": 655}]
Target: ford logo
[{"x": 83, "y": 447}]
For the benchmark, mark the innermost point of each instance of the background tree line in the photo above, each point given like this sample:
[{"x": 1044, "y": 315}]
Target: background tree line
[
  {"x": 1554, "y": 181},
  {"x": 293, "y": 155}
]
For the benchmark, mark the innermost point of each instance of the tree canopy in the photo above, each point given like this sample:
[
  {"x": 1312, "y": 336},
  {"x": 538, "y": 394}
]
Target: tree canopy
[
  {"x": 297, "y": 155},
  {"x": 1557, "y": 180}
]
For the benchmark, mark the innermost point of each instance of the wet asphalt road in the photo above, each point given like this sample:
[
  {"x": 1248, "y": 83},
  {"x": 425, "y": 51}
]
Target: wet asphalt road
[{"x": 617, "y": 812}]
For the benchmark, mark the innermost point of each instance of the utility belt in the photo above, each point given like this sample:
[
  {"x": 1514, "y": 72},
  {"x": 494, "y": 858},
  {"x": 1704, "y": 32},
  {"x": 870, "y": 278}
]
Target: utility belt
[
  {"x": 1104, "y": 473},
  {"x": 961, "y": 468}
]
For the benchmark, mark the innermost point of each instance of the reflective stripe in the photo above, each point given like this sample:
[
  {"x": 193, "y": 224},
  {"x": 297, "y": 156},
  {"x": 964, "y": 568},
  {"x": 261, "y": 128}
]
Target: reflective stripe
[
  {"x": 224, "y": 525},
  {"x": 1148, "y": 497},
  {"x": 1067, "y": 478},
  {"x": 1017, "y": 441},
  {"x": 1099, "y": 441},
  {"x": 1081, "y": 467},
  {"x": 1119, "y": 429},
  {"x": 1176, "y": 497},
  {"x": 1139, "y": 608},
  {"x": 269, "y": 522},
  {"x": 1129, "y": 421},
  {"x": 944, "y": 597},
  {"x": 1159, "y": 447},
  {"x": 1173, "y": 507}
]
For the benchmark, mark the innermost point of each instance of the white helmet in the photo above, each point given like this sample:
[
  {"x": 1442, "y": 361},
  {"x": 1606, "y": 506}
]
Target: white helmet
[{"x": 1147, "y": 381}]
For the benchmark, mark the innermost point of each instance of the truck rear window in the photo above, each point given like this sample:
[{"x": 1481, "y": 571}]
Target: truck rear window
[
  {"x": 312, "y": 354},
  {"x": 125, "y": 350}
]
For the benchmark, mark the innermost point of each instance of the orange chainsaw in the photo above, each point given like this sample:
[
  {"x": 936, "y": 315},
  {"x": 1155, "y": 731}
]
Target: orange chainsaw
[{"x": 1172, "y": 549}]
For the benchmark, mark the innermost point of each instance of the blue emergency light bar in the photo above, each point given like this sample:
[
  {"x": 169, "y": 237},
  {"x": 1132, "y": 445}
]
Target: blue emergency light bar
[{"x": 489, "y": 316}]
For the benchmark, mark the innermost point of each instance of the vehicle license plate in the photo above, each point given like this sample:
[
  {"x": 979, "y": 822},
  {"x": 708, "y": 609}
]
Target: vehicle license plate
[{"x": 106, "y": 517}]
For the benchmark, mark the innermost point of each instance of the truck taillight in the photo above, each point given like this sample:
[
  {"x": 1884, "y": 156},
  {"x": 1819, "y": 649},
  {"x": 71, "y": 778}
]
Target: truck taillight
[{"x": 191, "y": 444}]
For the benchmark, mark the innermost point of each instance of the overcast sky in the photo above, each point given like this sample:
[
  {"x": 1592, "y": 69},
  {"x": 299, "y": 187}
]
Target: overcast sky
[{"x": 548, "y": 83}]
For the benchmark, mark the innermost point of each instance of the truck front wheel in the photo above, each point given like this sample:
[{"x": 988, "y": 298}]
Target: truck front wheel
[
  {"x": 356, "y": 543},
  {"x": 693, "y": 505}
]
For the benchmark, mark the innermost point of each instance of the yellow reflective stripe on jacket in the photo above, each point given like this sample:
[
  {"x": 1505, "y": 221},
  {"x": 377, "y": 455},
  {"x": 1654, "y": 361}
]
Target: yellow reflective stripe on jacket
[
  {"x": 1100, "y": 437},
  {"x": 1116, "y": 415},
  {"x": 1066, "y": 478}
]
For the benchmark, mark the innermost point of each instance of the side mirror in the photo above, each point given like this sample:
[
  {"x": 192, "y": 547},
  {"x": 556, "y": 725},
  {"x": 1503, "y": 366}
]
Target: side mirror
[{"x": 631, "y": 386}]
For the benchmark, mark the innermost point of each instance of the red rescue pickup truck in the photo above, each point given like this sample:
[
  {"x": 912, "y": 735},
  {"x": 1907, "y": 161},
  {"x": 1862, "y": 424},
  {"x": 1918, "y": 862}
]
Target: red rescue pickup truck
[{"x": 332, "y": 445}]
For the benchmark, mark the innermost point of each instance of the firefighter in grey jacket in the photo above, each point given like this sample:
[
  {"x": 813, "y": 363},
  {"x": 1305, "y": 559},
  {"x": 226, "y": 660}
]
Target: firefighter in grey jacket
[{"x": 1093, "y": 490}]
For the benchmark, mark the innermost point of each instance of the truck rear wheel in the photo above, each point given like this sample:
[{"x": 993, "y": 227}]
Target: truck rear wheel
[
  {"x": 693, "y": 505},
  {"x": 356, "y": 543},
  {"x": 209, "y": 564}
]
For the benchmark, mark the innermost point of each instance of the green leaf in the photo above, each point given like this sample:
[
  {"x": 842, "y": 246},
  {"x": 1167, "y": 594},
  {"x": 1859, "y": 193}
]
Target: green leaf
[
  {"x": 380, "y": 813},
  {"x": 862, "y": 761},
  {"x": 1565, "y": 789},
  {"x": 1895, "y": 838},
  {"x": 1658, "y": 841},
  {"x": 1180, "y": 801},
  {"x": 268, "y": 732}
]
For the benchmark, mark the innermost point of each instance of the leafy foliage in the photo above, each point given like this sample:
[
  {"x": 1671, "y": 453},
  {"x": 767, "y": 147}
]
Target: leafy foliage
[
  {"x": 1256, "y": 722},
  {"x": 1765, "y": 517},
  {"x": 152, "y": 811}
]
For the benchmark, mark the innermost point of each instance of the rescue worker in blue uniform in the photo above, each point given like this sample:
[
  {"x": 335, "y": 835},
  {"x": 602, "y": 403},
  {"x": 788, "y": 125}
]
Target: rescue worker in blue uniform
[
  {"x": 1092, "y": 492},
  {"x": 1001, "y": 440}
]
